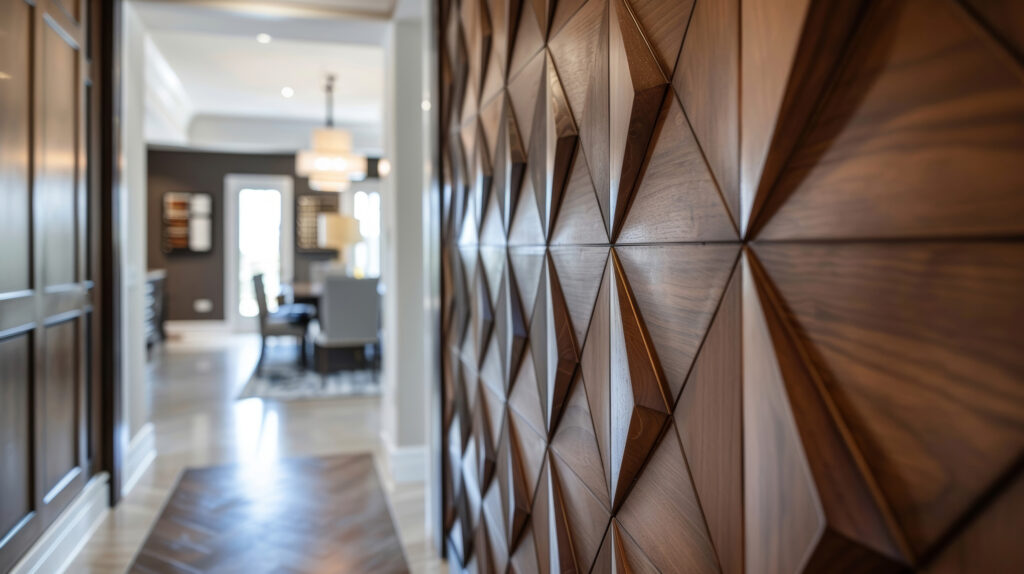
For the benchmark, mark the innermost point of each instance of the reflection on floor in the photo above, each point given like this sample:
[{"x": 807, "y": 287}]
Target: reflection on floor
[
  {"x": 319, "y": 515},
  {"x": 198, "y": 422}
]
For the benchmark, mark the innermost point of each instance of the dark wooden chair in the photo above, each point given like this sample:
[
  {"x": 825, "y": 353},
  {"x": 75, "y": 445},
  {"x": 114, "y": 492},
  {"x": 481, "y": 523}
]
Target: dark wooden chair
[{"x": 287, "y": 321}]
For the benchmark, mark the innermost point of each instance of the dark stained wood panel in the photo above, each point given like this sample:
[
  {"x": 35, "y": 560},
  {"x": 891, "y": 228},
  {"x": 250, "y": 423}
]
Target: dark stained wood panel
[
  {"x": 708, "y": 418},
  {"x": 60, "y": 397},
  {"x": 15, "y": 431},
  {"x": 576, "y": 443},
  {"x": 677, "y": 288},
  {"x": 873, "y": 319},
  {"x": 707, "y": 81},
  {"x": 928, "y": 108},
  {"x": 987, "y": 545},
  {"x": 676, "y": 198},
  {"x": 57, "y": 146},
  {"x": 580, "y": 221},
  {"x": 579, "y": 272},
  {"x": 664, "y": 25},
  {"x": 664, "y": 516},
  {"x": 700, "y": 347},
  {"x": 789, "y": 53},
  {"x": 329, "y": 515},
  {"x": 15, "y": 94}
]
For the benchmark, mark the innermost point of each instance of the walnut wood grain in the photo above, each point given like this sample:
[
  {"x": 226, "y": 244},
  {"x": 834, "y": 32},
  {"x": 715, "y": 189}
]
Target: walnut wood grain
[
  {"x": 676, "y": 197},
  {"x": 554, "y": 347},
  {"x": 709, "y": 419},
  {"x": 637, "y": 90},
  {"x": 510, "y": 323},
  {"x": 913, "y": 129},
  {"x": 552, "y": 145},
  {"x": 579, "y": 271},
  {"x": 663, "y": 515},
  {"x": 595, "y": 368},
  {"x": 509, "y": 165},
  {"x": 575, "y": 442},
  {"x": 529, "y": 39},
  {"x": 213, "y": 515},
  {"x": 860, "y": 531},
  {"x": 525, "y": 397},
  {"x": 677, "y": 289},
  {"x": 664, "y": 25},
  {"x": 872, "y": 330},
  {"x": 641, "y": 400},
  {"x": 789, "y": 53},
  {"x": 580, "y": 220},
  {"x": 707, "y": 82}
]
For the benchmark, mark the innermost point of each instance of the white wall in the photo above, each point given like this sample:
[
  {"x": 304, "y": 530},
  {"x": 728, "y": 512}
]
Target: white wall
[
  {"x": 404, "y": 405},
  {"x": 133, "y": 223}
]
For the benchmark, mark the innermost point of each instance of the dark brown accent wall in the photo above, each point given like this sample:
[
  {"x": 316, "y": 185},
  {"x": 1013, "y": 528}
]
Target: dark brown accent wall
[
  {"x": 192, "y": 276},
  {"x": 732, "y": 286}
]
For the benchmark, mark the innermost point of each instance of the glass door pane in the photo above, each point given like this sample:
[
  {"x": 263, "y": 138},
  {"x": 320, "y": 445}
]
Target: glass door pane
[{"x": 259, "y": 247}]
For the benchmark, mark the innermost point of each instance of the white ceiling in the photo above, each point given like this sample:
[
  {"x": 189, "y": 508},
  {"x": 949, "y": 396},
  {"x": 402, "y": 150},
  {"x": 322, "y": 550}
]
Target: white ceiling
[
  {"x": 236, "y": 76},
  {"x": 211, "y": 46}
]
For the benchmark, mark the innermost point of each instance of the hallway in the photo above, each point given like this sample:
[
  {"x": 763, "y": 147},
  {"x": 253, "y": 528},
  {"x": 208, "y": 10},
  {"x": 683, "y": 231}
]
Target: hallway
[{"x": 198, "y": 423}]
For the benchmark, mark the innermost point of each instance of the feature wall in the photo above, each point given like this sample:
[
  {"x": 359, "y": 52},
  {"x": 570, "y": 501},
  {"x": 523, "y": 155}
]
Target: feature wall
[{"x": 732, "y": 286}]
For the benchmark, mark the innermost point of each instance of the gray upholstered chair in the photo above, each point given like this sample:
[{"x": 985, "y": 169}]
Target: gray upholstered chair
[
  {"x": 349, "y": 315},
  {"x": 285, "y": 322}
]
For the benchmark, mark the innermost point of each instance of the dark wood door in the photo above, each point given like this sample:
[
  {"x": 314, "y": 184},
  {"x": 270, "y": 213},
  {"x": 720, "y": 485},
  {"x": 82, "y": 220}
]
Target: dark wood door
[
  {"x": 45, "y": 273},
  {"x": 732, "y": 286}
]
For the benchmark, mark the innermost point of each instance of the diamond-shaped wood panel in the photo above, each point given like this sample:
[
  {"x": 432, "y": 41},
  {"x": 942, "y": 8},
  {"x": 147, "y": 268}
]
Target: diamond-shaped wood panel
[
  {"x": 553, "y": 344},
  {"x": 753, "y": 272}
]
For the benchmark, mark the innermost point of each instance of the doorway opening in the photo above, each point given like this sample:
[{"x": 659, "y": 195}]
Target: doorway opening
[{"x": 259, "y": 239}]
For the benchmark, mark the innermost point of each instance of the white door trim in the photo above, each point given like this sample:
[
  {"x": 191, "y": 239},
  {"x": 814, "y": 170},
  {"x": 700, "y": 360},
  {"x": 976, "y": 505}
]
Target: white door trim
[{"x": 234, "y": 183}]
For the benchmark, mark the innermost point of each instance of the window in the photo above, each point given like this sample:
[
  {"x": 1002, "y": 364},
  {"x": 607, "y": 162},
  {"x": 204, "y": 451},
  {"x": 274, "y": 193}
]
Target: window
[{"x": 366, "y": 209}]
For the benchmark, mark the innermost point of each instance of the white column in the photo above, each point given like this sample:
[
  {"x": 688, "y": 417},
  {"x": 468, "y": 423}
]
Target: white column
[{"x": 404, "y": 402}]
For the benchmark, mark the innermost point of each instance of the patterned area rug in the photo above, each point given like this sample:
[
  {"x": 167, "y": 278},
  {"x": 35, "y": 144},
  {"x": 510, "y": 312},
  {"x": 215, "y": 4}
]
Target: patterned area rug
[{"x": 283, "y": 380}]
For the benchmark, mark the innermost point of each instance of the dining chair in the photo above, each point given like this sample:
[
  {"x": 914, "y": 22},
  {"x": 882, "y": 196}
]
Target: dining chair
[{"x": 287, "y": 321}]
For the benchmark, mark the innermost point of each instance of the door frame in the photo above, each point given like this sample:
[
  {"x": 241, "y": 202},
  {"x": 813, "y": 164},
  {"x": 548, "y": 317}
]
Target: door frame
[{"x": 233, "y": 184}]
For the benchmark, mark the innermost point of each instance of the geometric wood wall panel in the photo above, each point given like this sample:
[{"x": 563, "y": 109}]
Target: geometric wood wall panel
[
  {"x": 708, "y": 418},
  {"x": 663, "y": 514},
  {"x": 677, "y": 289},
  {"x": 676, "y": 198},
  {"x": 707, "y": 81},
  {"x": 747, "y": 296},
  {"x": 873, "y": 336},
  {"x": 926, "y": 142}
]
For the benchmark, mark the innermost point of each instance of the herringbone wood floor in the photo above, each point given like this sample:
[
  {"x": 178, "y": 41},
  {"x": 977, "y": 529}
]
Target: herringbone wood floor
[
  {"x": 318, "y": 515},
  {"x": 199, "y": 422}
]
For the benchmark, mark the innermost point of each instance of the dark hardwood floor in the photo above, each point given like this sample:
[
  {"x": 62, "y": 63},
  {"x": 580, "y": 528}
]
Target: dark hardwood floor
[{"x": 318, "y": 515}]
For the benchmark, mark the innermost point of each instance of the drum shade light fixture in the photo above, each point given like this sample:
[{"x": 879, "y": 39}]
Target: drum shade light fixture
[{"x": 330, "y": 165}]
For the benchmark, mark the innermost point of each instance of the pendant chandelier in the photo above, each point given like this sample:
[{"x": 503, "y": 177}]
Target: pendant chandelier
[{"x": 330, "y": 165}]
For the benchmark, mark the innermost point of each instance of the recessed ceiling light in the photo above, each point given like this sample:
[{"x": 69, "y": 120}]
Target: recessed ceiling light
[
  {"x": 425, "y": 105},
  {"x": 287, "y": 92},
  {"x": 263, "y": 38}
]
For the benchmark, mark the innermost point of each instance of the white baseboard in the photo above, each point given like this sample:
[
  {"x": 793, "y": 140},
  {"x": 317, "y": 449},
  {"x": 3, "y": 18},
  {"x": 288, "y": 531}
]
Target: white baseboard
[
  {"x": 407, "y": 464},
  {"x": 66, "y": 537},
  {"x": 181, "y": 327},
  {"x": 141, "y": 453}
]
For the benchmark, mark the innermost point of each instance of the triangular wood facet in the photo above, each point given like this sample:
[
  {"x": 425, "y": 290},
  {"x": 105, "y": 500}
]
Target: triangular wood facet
[
  {"x": 639, "y": 390},
  {"x": 552, "y": 145},
  {"x": 677, "y": 289},
  {"x": 676, "y": 197},
  {"x": 637, "y": 89},
  {"x": 509, "y": 165},
  {"x": 553, "y": 342}
]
